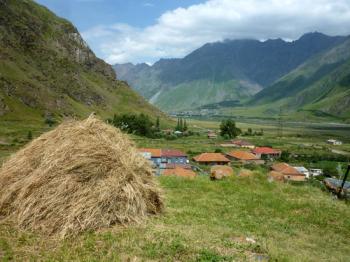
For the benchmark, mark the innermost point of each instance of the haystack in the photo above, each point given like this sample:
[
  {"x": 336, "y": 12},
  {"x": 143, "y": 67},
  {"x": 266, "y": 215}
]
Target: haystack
[
  {"x": 219, "y": 172},
  {"x": 245, "y": 173},
  {"x": 83, "y": 175},
  {"x": 275, "y": 176}
]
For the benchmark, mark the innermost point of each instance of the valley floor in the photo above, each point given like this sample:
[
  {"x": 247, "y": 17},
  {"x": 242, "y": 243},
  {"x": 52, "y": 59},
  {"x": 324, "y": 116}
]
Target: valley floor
[{"x": 237, "y": 219}]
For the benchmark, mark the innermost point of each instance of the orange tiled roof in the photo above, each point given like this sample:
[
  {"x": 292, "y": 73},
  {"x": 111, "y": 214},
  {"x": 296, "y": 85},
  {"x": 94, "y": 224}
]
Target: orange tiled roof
[
  {"x": 266, "y": 150},
  {"x": 286, "y": 169},
  {"x": 179, "y": 171},
  {"x": 242, "y": 155},
  {"x": 155, "y": 152},
  {"x": 241, "y": 143},
  {"x": 211, "y": 157},
  {"x": 172, "y": 153}
]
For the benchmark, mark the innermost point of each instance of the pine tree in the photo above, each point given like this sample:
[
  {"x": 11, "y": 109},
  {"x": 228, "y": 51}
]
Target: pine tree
[
  {"x": 185, "y": 125},
  {"x": 158, "y": 124},
  {"x": 181, "y": 125},
  {"x": 177, "y": 128}
]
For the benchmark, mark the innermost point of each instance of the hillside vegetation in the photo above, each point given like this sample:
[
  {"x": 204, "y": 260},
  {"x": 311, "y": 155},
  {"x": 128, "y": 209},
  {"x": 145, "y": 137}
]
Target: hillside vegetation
[
  {"x": 231, "y": 71},
  {"x": 321, "y": 86},
  {"x": 48, "y": 71}
]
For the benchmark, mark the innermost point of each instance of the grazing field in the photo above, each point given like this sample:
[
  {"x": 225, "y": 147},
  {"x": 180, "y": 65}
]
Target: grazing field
[{"x": 236, "y": 219}]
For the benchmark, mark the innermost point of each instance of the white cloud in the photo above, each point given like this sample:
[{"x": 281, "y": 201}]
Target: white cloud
[
  {"x": 148, "y": 5},
  {"x": 180, "y": 31}
]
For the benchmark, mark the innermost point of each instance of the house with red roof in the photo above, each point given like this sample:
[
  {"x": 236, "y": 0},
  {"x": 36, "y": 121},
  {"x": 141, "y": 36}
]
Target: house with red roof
[
  {"x": 244, "y": 157},
  {"x": 242, "y": 144},
  {"x": 267, "y": 152},
  {"x": 211, "y": 159},
  {"x": 162, "y": 157},
  {"x": 289, "y": 173}
]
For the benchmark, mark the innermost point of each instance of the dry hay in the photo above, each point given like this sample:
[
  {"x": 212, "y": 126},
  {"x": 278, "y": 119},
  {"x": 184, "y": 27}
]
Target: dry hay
[
  {"x": 275, "y": 176},
  {"x": 83, "y": 175},
  {"x": 219, "y": 172},
  {"x": 245, "y": 173}
]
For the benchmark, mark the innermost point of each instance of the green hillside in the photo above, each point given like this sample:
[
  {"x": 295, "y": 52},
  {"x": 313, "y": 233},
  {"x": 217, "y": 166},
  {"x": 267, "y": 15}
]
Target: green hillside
[
  {"x": 48, "y": 71},
  {"x": 222, "y": 72},
  {"x": 319, "y": 87}
]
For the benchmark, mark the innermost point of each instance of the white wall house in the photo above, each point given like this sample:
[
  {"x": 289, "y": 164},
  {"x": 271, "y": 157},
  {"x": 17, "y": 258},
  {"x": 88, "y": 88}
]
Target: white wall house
[
  {"x": 334, "y": 142},
  {"x": 303, "y": 171}
]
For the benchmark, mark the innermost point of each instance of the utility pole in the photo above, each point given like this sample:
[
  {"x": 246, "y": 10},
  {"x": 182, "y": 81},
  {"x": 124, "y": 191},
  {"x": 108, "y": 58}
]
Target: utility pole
[{"x": 340, "y": 190}]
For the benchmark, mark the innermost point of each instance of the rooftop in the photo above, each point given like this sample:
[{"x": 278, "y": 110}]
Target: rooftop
[
  {"x": 156, "y": 152},
  {"x": 266, "y": 150},
  {"x": 241, "y": 143},
  {"x": 211, "y": 157},
  {"x": 286, "y": 169},
  {"x": 242, "y": 155},
  {"x": 172, "y": 153}
]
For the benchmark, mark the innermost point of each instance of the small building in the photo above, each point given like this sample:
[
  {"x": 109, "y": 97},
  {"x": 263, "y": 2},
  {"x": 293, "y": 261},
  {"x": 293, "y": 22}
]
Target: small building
[
  {"x": 173, "y": 156},
  {"x": 303, "y": 170},
  {"x": 244, "y": 157},
  {"x": 290, "y": 173},
  {"x": 334, "y": 142},
  {"x": 228, "y": 145},
  {"x": 211, "y": 159},
  {"x": 212, "y": 135},
  {"x": 316, "y": 172},
  {"x": 152, "y": 154},
  {"x": 243, "y": 144},
  {"x": 267, "y": 152},
  {"x": 161, "y": 157},
  {"x": 178, "y": 171}
]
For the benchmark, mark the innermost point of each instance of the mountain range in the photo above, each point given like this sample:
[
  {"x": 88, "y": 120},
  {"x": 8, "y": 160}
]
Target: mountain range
[
  {"x": 47, "y": 70},
  {"x": 247, "y": 74}
]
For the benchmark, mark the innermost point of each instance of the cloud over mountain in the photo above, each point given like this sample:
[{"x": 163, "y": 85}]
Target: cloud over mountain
[{"x": 179, "y": 31}]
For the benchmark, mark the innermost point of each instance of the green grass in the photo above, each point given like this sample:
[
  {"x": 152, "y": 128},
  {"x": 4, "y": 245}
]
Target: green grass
[
  {"x": 201, "y": 92},
  {"x": 204, "y": 220},
  {"x": 209, "y": 221}
]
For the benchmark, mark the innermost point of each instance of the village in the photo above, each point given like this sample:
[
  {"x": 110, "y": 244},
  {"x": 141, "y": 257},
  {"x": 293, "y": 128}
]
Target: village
[
  {"x": 175, "y": 162},
  {"x": 239, "y": 157}
]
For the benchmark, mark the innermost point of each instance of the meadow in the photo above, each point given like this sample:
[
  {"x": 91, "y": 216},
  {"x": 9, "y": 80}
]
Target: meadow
[{"x": 237, "y": 219}]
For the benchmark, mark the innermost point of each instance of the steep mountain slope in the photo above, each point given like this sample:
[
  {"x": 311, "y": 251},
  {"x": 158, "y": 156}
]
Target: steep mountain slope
[
  {"x": 320, "y": 86},
  {"x": 225, "y": 71},
  {"x": 47, "y": 69}
]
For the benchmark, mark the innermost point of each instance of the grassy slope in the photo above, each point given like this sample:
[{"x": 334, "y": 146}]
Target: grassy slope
[
  {"x": 47, "y": 69},
  {"x": 205, "y": 221},
  {"x": 316, "y": 89},
  {"x": 188, "y": 96}
]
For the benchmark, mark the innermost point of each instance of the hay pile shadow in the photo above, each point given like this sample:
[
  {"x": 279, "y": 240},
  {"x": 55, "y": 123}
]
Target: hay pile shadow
[{"x": 83, "y": 175}]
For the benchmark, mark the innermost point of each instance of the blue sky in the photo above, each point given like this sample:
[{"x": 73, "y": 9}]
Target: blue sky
[
  {"x": 146, "y": 30},
  {"x": 86, "y": 14}
]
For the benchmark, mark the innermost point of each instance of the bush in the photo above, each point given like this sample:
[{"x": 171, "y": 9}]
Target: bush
[
  {"x": 135, "y": 124},
  {"x": 228, "y": 128}
]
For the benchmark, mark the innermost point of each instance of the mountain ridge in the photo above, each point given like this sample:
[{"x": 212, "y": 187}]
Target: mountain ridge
[{"x": 223, "y": 71}]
